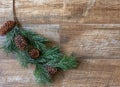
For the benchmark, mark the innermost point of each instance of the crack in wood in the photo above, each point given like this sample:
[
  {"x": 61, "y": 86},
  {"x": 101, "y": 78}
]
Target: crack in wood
[{"x": 89, "y": 6}]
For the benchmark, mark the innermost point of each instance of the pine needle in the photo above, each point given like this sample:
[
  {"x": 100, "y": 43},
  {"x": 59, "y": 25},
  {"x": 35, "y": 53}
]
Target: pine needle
[{"x": 50, "y": 56}]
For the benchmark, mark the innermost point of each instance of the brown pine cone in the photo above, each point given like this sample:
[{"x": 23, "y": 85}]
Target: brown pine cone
[
  {"x": 7, "y": 27},
  {"x": 51, "y": 70},
  {"x": 34, "y": 53},
  {"x": 20, "y": 42}
]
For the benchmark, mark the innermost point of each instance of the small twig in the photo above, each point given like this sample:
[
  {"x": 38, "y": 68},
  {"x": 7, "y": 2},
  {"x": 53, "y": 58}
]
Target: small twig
[
  {"x": 15, "y": 16},
  {"x": 14, "y": 12}
]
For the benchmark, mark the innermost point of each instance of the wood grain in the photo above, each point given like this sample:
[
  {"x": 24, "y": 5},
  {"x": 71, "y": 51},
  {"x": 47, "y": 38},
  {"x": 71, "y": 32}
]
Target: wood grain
[
  {"x": 88, "y": 41},
  {"x": 90, "y": 73},
  {"x": 49, "y": 11},
  {"x": 104, "y": 11},
  {"x": 88, "y": 29}
]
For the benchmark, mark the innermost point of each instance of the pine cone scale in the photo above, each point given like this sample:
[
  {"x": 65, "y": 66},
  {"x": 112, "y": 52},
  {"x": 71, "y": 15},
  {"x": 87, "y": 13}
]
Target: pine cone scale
[
  {"x": 34, "y": 53},
  {"x": 51, "y": 70},
  {"x": 7, "y": 27},
  {"x": 20, "y": 42}
]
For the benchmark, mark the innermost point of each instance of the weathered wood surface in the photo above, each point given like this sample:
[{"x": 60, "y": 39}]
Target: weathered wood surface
[
  {"x": 91, "y": 73},
  {"x": 88, "y": 29},
  {"x": 91, "y": 41}
]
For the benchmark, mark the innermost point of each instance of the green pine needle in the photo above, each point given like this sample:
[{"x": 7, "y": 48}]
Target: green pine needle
[
  {"x": 41, "y": 74},
  {"x": 52, "y": 53},
  {"x": 9, "y": 45},
  {"x": 23, "y": 58},
  {"x": 50, "y": 56},
  {"x": 67, "y": 63},
  {"x": 34, "y": 39}
]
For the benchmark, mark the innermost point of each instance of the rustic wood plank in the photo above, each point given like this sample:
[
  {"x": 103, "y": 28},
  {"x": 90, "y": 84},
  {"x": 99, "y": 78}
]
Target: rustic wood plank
[
  {"x": 88, "y": 29},
  {"x": 94, "y": 73},
  {"x": 39, "y": 11},
  {"x": 62, "y": 11},
  {"x": 103, "y": 11},
  {"x": 90, "y": 73},
  {"x": 90, "y": 41}
]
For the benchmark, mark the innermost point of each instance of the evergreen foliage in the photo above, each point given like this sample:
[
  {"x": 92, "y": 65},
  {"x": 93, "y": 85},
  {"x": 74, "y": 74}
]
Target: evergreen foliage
[{"x": 50, "y": 56}]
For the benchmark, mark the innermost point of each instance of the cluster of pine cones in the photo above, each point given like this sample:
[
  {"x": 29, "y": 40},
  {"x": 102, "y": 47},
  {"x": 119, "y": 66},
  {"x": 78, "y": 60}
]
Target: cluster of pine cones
[
  {"x": 20, "y": 41},
  {"x": 22, "y": 44}
]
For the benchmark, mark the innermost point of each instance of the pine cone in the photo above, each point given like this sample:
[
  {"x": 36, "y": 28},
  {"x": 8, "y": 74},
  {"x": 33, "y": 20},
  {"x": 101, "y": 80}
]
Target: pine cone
[
  {"x": 34, "y": 53},
  {"x": 20, "y": 42},
  {"x": 51, "y": 70},
  {"x": 7, "y": 27}
]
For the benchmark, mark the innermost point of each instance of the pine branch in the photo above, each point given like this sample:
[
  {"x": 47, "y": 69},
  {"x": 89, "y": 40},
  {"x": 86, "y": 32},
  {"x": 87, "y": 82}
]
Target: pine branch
[
  {"x": 39, "y": 46},
  {"x": 52, "y": 53},
  {"x": 50, "y": 56},
  {"x": 66, "y": 63},
  {"x": 34, "y": 39},
  {"x": 23, "y": 58},
  {"x": 9, "y": 45},
  {"x": 32, "y": 36},
  {"x": 42, "y": 75}
]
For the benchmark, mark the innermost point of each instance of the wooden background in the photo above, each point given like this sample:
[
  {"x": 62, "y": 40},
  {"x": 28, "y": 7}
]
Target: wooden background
[{"x": 88, "y": 29}]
